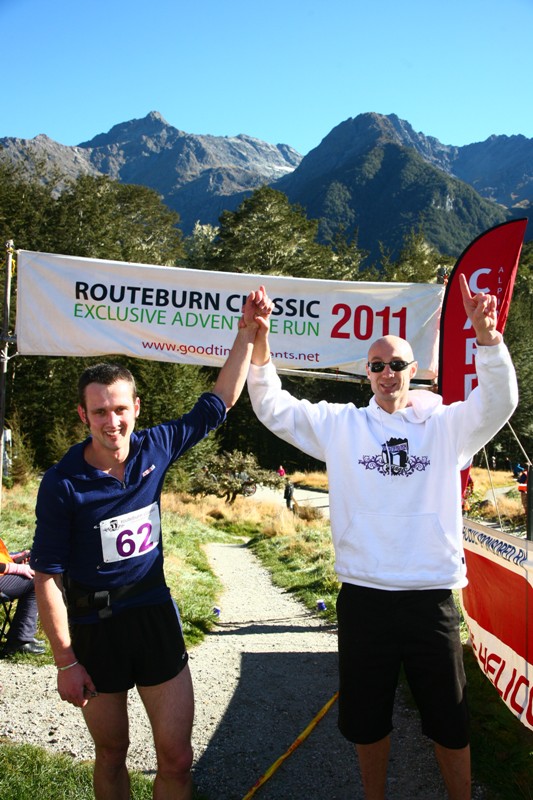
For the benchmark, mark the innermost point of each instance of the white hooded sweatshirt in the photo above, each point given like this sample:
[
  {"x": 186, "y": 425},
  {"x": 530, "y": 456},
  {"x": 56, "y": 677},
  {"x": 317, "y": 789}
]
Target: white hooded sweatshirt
[{"x": 394, "y": 479}]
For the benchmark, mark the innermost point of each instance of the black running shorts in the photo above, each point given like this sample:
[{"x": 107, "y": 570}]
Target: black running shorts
[
  {"x": 381, "y": 631},
  {"x": 139, "y": 646}
]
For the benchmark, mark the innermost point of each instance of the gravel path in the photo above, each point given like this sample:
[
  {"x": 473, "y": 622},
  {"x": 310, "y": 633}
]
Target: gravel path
[{"x": 261, "y": 676}]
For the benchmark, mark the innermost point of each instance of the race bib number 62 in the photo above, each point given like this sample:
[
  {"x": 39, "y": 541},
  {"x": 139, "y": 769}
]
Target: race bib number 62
[{"x": 130, "y": 535}]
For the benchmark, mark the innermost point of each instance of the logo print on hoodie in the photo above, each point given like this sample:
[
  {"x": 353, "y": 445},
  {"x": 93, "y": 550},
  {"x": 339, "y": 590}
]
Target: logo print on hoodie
[{"x": 394, "y": 459}]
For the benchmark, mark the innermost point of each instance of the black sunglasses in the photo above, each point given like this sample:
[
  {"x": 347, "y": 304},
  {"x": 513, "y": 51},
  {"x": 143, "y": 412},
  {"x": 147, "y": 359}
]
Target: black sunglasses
[{"x": 396, "y": 365}]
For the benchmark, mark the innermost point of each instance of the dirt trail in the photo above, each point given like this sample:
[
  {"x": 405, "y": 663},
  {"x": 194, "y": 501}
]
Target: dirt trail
[{"x": 261, "y": 677}]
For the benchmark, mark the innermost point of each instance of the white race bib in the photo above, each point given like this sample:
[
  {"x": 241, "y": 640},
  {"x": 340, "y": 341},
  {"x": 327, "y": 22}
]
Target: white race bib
[{"x": 130, "y": 535}]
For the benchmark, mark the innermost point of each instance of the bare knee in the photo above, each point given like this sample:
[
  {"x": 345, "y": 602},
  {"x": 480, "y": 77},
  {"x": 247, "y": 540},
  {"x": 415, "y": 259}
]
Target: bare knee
[
  {"x": 111, "y": 758},
  {"x": 175, "y": 763}
]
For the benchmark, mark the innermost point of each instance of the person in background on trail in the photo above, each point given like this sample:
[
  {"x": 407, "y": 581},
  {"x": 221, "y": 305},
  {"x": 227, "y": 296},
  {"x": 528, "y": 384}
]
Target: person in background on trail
[
  {"x": 522, "y": 477},
  {"x": 395, "y": 511},
  {"x": 522, "y": 488},
  {"x": 281, "y": 471},
  {"x": 98, "y": 540},
  {"x": 17, "y": 583},
  {"x": 288, "y": 494}
]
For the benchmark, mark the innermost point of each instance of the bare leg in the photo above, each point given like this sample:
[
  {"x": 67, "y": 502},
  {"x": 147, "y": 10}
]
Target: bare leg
[
  {"x": 455, "y": 768},
  {"x": 170, "y": 708},
  {"x": 107, "y": 719},
  {"x": 373, "y": 761}
]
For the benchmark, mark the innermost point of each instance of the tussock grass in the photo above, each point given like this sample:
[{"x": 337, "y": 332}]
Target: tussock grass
[
  {"x": 483, "y": 480},
  {"x": 505, "y": 508},
  {"x": 313, "y": 480},
  {"x": 212, "y": 508}
]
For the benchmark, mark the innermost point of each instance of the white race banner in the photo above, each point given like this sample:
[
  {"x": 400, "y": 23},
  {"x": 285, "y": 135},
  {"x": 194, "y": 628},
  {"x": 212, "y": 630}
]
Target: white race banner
[{"x": 70, "y": 306}]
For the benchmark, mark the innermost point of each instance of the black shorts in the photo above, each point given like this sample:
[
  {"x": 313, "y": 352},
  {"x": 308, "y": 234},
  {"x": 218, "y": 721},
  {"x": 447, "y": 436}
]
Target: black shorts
[
  {"x": 140, "y": 646},
  {"x": 381, "y": 631}
]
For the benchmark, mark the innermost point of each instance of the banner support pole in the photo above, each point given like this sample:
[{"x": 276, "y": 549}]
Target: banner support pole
[
  {"x": 529, "y": 504},
  {"x": 4, "y": 355}
]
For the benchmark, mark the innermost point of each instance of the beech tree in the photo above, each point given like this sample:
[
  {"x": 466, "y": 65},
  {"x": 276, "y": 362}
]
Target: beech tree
[
  {"x": 100, "y": 218},
  {"x": 269, "y": 236},
  {"x": 417, "y": 261},
  {"x": 200, "y": 247},
  {"x": 25, "y": 208}
]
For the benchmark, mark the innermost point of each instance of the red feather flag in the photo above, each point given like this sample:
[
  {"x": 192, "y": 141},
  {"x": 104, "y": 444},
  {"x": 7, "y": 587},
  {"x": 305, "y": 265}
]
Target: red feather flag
[{"x": 489, "y": 264}]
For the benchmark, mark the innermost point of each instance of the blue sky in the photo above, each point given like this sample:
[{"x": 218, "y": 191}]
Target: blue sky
[{"x": 284, "y": 71}]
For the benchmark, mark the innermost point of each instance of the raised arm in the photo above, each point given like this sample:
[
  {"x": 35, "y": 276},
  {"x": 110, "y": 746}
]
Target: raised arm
[
  {"x": 232, "y": 376},
  {"x": 261, "y": 351},
  {"x": 481, "y": 311}
]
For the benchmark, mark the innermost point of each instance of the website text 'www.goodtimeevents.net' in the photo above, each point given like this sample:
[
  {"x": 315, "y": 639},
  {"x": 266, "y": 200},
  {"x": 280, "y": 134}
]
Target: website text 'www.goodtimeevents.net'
[{"x": 219, "y": 350}]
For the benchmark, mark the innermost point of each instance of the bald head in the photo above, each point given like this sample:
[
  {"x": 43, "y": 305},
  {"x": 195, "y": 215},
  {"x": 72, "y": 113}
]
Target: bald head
[{"x": 395, "y": 344}]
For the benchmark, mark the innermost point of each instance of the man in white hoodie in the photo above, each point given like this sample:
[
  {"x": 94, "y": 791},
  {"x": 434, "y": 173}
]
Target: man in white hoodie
[{"x": 395, "y": 510}]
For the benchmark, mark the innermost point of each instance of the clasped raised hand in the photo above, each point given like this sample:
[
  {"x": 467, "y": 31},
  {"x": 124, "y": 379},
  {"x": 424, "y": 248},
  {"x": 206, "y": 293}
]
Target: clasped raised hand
[{"x": 256, "y": 310}]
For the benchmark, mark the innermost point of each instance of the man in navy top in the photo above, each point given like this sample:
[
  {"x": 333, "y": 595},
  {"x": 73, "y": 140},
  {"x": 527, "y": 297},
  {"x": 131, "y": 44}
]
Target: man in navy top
[{"x": 98, "y": 562}]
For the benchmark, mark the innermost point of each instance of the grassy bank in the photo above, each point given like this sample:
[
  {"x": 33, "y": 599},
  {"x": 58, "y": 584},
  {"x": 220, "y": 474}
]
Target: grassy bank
[{"x": 299, "y": 555}]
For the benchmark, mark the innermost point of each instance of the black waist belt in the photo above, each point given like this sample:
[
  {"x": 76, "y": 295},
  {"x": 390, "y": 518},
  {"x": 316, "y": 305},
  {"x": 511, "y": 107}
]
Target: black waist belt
[{"x": 83, "y": 600}]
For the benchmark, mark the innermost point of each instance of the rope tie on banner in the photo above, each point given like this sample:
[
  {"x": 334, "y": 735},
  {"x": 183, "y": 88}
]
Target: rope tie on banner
[{"x": 299, "y": 739}]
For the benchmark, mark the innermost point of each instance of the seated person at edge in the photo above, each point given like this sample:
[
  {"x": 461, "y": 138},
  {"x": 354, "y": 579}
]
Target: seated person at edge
[
  {"x": 98, "y": 539},
  {"x": 16, "y": 583},
  {"x": 395, "y": 511}
]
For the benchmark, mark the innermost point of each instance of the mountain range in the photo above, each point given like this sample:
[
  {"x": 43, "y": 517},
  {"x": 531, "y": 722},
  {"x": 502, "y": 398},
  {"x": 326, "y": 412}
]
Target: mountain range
[{"x": 372, "y": 176}]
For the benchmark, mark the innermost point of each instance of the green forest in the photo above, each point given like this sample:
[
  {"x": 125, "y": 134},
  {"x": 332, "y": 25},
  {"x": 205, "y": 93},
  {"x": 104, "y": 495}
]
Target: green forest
[{"x": 99, "y": 218}]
